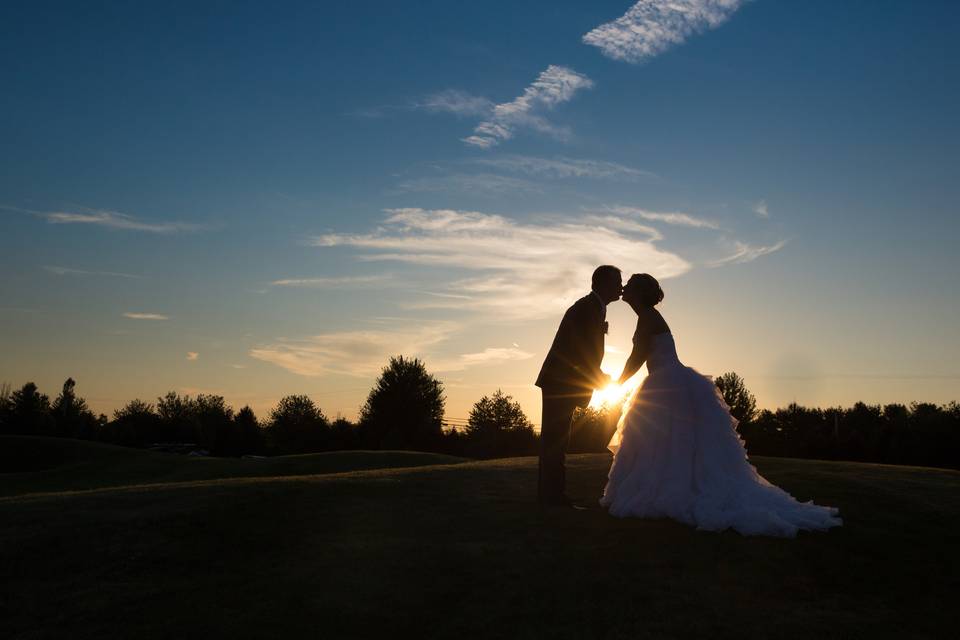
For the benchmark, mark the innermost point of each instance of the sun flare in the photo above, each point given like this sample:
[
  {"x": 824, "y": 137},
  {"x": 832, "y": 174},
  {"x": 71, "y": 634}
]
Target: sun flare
[{"x": 614, "y": 395}]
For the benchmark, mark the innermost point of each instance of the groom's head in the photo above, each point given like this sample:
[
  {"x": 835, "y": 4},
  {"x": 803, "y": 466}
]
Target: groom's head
[{"x": 607, "y": 282}]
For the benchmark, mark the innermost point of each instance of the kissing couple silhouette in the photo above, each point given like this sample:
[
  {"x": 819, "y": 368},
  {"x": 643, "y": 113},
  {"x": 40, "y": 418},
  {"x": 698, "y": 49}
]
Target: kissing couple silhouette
[{"x": 676, "y": 450}]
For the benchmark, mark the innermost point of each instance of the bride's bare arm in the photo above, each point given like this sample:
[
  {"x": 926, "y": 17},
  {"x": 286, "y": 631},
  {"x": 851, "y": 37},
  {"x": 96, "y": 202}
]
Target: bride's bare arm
[
  {"x": 646, "y": 324},
  {"x": 637, "y": 357}
]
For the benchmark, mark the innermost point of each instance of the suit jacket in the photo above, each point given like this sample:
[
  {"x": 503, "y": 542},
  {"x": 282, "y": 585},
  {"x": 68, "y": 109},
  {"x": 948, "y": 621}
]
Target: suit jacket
[{"x": 572, "y": 365}]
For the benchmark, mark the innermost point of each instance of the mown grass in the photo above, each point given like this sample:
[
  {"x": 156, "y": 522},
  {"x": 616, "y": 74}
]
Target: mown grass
[
  {"x": 462, "y": 551},
  {"x": 31, "y": 465}
]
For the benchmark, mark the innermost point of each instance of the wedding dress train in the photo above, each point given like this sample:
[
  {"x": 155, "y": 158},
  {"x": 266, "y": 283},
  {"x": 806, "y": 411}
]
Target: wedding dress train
[{"x": 677, "y": 455}]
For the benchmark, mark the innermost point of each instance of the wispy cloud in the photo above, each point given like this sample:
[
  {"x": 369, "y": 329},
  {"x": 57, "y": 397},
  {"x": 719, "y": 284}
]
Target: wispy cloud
[
  {"x": 623, "y": 224},
  {"x": 192, "y": 355},
  {"x": 744, "y": 252},
  {"x": 517, "y": 174},
  {"x": 365, "y": 352},
  {"x": 459, "y": 103},
  {"x": 456, "y": 102},
  {"x": 494, "y": 355},
  {"x": 507, "y": 268},
  {"x": 451, "y": 296},
  {"x": 332, "y": 282},
  {"x": 553, "y": 86},
  {"x": 560, "y": 168},
  {"x": 760, "y": 208},
  {"x": 671, "y": 217},
  {"x": 650, "y": 27},
  {"x": 64, "y": 271},
  {"x": 109, "y": 219},
  {"x": 478, "y": 184},
  {"x": 19, "y": 309},
  {"x": 145, "y": 316},
  {"x": 355, "y": 353}
]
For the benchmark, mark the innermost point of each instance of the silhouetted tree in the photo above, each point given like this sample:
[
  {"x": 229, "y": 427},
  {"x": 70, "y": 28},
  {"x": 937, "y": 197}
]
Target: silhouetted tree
[
  {"x": 344, "y": 435},
  {"x": 27, "y": 412},
  {"x": 178, "y": 416},
  {"x": 297, "y": 425},
  {"x": 135, "y": 425},
  {"x": 249, "y": 434},
  {"x": 497, "y": 427},
  {"x": 742, "y": 404},
  {"x": 6, "y": 405},
  {"x": 404, "y": 409},
  {"x": 72, "y": 416},
  {"x": 214, "y": 420},
  {"x": 455, "y": 442}
]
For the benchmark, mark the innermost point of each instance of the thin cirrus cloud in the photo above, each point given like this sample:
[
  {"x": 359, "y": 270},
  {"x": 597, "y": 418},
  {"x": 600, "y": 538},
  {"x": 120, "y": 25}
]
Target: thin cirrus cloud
[
  {"x": 494, "y": 355},
  {"x": 145, "y": 316},
  {"x": 364, "y": 353},
  {"x": 671, "y": 217},
  {"x": 744, "y": 252},
  {"x": 502, "y": 267},
  {"x": 108, "y": 219},
  {"x": 555, "y": 85},
  {"x": 535, "y": 171},
  {"x": 561, "y": 168},
  {"x": 650, "y": 27},
  {"x": 332, "y": 282},
  {"x": 624, "y": 224},
  {"x": 64, "y": 271},
  {"x": 474, "y": 184},
  {"x": 457, "y": 102},
  {"x": 355, "y": 353}
]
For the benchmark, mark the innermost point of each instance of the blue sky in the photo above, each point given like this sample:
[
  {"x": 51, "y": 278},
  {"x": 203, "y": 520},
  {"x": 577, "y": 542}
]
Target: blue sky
[{"x": 292, "y": 193}]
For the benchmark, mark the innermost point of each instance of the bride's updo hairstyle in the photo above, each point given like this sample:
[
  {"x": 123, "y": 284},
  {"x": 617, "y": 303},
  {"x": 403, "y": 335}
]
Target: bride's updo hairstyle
[{"x": 647, "y": 288}]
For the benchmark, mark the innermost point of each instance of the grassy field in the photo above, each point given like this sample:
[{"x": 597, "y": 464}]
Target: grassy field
[
  {"x": 33, "y": 465},
  {"x": 454, "y": 550}
]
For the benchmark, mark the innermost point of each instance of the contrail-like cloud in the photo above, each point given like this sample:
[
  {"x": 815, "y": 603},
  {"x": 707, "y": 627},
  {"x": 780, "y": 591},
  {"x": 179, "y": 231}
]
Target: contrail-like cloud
[
  {"x": 650, "y": 27},
  {"x": 668, "y": 217},
  {"x": 744, "y": 252},
  {"x": 560, "y": 168},
  {"x": 108, "y": 219},
  {"x": 65, "y": 271},
  {"x": 332, "y": 282},
  {"x": 553, "y": 86}
]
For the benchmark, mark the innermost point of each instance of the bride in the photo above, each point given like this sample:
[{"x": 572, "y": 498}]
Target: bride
[{"x": 676, "y": 450}]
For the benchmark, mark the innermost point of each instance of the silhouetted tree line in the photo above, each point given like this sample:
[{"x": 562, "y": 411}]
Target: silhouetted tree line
[
  {"x": 922, "y": 433},
  {"x": 405, "y": 410}
]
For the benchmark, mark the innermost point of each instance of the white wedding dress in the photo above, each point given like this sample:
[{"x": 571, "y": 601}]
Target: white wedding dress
[{"x": 677, "y": 455}]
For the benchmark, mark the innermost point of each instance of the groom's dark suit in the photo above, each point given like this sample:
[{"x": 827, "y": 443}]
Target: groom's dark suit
[{"x": 570, "y": 373}]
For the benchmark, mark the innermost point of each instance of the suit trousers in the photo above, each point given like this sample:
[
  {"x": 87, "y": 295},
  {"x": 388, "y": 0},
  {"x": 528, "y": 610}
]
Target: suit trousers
[{"x": 558, "y": 408}]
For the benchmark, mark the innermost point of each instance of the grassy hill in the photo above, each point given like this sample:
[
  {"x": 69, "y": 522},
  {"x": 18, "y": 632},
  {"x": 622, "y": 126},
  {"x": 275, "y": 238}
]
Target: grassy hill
[
  {"x": 31, "y": 465},
  {"x": 461, "y": 550}
]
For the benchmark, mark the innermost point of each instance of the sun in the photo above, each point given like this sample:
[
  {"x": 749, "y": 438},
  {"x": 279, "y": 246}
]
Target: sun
[{"x": 614, "y": 394}]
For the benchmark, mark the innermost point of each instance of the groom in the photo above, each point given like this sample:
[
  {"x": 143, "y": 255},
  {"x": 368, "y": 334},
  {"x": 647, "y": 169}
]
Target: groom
[{"x": 570, "y": 373}]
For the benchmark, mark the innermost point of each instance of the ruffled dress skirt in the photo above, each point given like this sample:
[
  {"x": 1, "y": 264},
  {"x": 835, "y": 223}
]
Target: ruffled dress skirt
[{"x": 677, "y": 455}]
